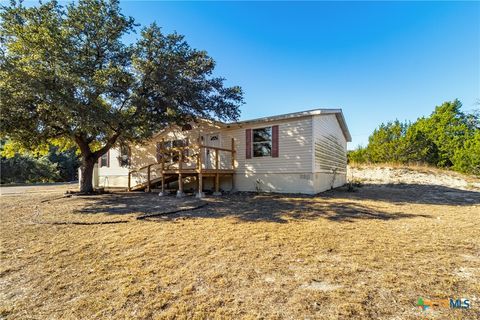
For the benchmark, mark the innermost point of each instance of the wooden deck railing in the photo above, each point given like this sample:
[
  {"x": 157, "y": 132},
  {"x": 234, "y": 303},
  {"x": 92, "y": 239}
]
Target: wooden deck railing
[{"x": 168, "y": 165}]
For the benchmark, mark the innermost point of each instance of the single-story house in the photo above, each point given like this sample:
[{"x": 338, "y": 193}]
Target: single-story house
[{"x": 301, "y": 152}]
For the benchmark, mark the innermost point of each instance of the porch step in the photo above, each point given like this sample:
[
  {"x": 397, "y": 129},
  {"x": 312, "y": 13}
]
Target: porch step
[{"x": 144, "y": 185}]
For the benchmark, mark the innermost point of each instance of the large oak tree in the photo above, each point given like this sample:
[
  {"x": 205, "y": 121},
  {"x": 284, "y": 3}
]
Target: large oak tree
[{"x": 66, "y": 74}]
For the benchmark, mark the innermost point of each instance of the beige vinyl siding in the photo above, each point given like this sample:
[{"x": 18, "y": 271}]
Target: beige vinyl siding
[
  {"x": 290, "y": 172},
  {"x": 145, "y": 154},
  {"x": 329, "y": 153},
  {"x": 294, "y": 170},
  {"x": 295, "y": 148},
  {"x": 114, "y": 175},
  {"x": 330, "y": 145}
]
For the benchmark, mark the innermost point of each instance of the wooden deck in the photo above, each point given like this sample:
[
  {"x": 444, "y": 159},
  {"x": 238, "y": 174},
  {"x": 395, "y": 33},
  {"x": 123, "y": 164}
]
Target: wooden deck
[{"x": 167, "y": 170}]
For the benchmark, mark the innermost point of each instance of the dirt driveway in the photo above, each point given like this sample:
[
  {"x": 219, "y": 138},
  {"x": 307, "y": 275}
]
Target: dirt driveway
[
  {"x": 37, "y": 188},
  {"x": 371, "y": 253}
]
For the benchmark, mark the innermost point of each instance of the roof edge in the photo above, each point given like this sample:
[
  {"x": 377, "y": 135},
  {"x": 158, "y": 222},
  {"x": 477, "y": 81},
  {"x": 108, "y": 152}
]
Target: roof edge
[
  {"x": 307, "y": 113},
  {"x": 313, "y": 112}
]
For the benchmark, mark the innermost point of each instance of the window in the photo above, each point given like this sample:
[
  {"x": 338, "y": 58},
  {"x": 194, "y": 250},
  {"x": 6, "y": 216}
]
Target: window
[
  {"x": 171, "y": 156},
  {"x": 262, "y": 142},
  {"x": 180, "y": 143},
  {"x": 124, "y": 158},
  {"x": 187, "y": 127},
  {"x": 104, "y": 160},
  {"x": 167, "y": 144}
]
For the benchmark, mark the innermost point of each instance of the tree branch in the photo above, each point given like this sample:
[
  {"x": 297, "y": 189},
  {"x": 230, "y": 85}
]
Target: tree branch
[
  {"x": 110, "y": 142},
  {"x": 83, "y": 145}
]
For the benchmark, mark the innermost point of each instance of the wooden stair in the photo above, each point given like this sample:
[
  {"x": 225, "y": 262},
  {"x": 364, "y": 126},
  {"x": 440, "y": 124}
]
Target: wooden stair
[
  {"x": 176, "y": 165},
  {"x": 153, "y": 182}
]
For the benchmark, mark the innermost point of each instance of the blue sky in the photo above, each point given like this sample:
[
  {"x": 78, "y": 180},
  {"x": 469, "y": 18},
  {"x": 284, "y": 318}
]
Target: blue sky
[{"x": 378, "y": 61}]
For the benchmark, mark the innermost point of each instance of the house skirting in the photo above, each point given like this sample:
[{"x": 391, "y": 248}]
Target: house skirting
[{"x": 306, "y": 183}]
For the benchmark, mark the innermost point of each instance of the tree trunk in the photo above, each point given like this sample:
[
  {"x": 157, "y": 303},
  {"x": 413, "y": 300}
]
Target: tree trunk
[
  {"x": 86, "y": 181},
  {"x": 89, "y": 159}
]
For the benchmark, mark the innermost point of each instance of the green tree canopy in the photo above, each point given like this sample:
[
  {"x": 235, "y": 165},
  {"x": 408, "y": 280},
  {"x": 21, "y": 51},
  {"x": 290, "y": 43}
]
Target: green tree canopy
[
  {"x": 383, "y": 143},
  {"x": 51, "y": 164},
  {"x": 446, "y": 138},
  {"x": 66, "y": 76},
  {"x": 448, "y": 128}
]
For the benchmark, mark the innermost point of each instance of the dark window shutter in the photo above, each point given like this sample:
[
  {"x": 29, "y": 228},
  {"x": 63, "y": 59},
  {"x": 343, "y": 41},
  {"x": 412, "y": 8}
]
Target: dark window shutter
[
  {"x": 108, "y": 159},
  {"x": 248, "y": 143},
  {"x": 275, "y": 141}
]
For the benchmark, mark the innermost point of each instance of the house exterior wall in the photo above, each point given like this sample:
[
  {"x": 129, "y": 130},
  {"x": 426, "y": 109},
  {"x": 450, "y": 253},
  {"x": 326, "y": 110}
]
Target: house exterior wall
[
  {"x": 329, "y": 153},
  {"x": 311, "y": 148},
  {"x": 144, "y": 154},
  {"x": 114, "y": 175},
  {"x": 290, "y": 172}
]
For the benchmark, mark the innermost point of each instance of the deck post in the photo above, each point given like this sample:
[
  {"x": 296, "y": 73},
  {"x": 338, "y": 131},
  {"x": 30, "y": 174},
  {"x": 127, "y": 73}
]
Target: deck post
[
  {"x": 217, "y": 175},
  {"x": 180, "y": 192},
  {"x": 217, "y": 185},
  {"x": 129, "y": 180},
  {"x": 148, "y": 178},
  {"x": 232, "y": 156},
  {"x": 180, "y": 160},
  {"x": 162, "y": 192},
  {"x": 200, "y": 155},
  {"x": 200, "y": 193}
]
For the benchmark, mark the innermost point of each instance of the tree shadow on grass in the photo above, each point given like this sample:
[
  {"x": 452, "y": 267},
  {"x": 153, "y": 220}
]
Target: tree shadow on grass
[
  {"x": 245, "y": 207},
  {"x": 137, "y": 203},
  {"x": 408, "y": 194},
  {"x": 282, "y": 209}
]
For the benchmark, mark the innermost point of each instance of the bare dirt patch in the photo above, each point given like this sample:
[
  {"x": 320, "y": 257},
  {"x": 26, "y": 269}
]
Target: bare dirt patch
[
  {"x": 340, "y": 255},
  {"x": 404, "y": 174}
]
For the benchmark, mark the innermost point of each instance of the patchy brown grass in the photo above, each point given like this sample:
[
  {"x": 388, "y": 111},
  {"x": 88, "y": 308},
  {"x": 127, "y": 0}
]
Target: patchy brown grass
[{"x": 367, "y": 254}]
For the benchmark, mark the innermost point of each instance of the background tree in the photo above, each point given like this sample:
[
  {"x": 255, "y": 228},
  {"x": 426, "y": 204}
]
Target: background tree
[
  {"x": 447, "y": 138},
  {"x": 46, "y": 163},
  {"x": 26, "y": 168},
  {"x": 416, "y": 145},
  {"x": 448, "y": 127},
  {"x": 384, "y": 143},
  {"x": 66, "y": 76},
  {"x": 467, "y": 158},
  {"x": 359, "y": 155}
]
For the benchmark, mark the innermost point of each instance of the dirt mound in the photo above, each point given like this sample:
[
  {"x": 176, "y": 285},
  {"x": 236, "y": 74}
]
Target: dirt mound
[{"x": 381, "y": 174}]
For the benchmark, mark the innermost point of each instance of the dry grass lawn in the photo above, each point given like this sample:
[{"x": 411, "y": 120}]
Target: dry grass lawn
[{"x": 341, "y": 255}]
